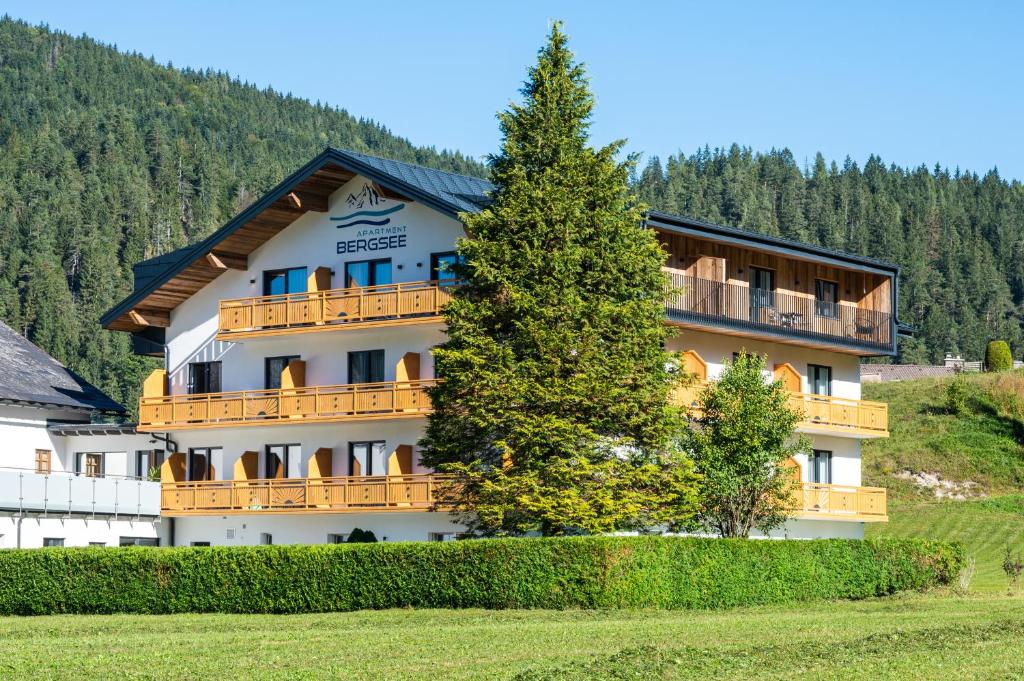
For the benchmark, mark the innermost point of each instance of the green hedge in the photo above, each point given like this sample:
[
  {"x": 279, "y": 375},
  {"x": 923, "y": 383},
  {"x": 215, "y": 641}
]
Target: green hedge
[{"x": 583, "y": 572}]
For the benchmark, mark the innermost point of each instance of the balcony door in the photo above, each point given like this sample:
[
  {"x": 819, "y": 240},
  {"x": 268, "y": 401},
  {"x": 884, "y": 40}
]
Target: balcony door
[
  {"x": 821, "y": 467},
  {"x": 200, "y": 463},
  {"x": 273, "y": 368},
  {"x": 283, "y": 282},
  {"x": 204, "y": 377},
  {"x": 368, "y": 273},
  {"x": 277, "y": 460},
  {"x": 762, "y": 294},
  {"x": 367, "y": 458},
  {"x": 820, "y": 379},
  {"x": 366, "y": 366},
  {"x": 440, "y": 267}
]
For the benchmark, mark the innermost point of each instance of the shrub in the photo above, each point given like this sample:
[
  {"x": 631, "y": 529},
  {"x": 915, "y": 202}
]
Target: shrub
[
  {"x": 572, "y": 572},
  {"x": 360, "y": 536},
  {"x": 957, "y": 394},
  {"x": 998, "y": 357}
]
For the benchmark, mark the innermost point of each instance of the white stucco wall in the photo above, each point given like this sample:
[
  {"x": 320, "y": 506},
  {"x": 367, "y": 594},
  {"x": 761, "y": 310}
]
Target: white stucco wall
[
  {"x": 245, "y": 530},
  {"x": 28, "y": 532},
  {"x": 311, "y": 241}
]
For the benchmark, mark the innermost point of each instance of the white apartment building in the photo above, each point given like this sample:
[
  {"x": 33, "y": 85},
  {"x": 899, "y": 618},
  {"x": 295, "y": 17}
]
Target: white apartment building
[
  {"x": 297, "y": 341},
  {"x": 65, "y": 481}
]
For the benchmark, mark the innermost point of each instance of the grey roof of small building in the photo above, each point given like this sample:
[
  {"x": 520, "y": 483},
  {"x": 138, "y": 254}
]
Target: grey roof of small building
[
  {"x": 30, "y": 376},
  {"x": 904, "y": 372}
]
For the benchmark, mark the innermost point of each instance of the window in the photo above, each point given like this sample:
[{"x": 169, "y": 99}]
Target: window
[
  {"x": 366, "y": 366},
  {"x": 281, "y": 282},
  {"x": 148, "y": 460},
  {"x": 203, "y": 377},
  {"x": 826, "y": 298},
  {"x": 89, "y": 464},
  {"x": 336, "y": 538},
  {"x": 139, "y": 541},
  {"x": 53, "y": 541},
  {"x": 821, "y": 467},
  {"x": 97, "y": 543},
  {"x": 762, "y": 291},
  {"x": 43, "y": 457},
  {"x": 200, "y": 543},
  {"x": 272, "y": 368},
  {"x": 276, "y": 460},
  {"x": 440, "y": 264},
  {"x": 368, "y": 273},
  {"x": 266, "y": 538},
  {"x": 820, "y": 379},
  {"x": 366, "y": 457},
  {"x": 200, "y": 462}
]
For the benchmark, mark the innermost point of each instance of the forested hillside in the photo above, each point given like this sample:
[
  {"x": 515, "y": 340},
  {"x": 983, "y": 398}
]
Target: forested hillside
[
  {"x": 108, "y": 158},
  {"x": 958, "y": 237}
]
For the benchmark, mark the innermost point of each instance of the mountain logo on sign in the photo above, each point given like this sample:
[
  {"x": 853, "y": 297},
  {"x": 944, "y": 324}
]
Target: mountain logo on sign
[{"x": 367, "y": 196}]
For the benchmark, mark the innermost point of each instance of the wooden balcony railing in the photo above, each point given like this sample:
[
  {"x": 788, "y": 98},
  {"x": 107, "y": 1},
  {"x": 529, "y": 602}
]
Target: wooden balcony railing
[
  {"x": 286, "y": 405},
  {"x": 821, "y": 413},
  {"x": 333, "y": 309},
  {"x": 840, "y": 502},
  {"x": 349, "y": 494},
  {"x": 741, "y": 308}
]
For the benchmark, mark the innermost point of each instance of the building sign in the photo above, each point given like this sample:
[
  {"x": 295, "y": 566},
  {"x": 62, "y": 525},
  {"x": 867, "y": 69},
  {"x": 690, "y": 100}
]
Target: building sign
[{"x": 372, "y": 223}]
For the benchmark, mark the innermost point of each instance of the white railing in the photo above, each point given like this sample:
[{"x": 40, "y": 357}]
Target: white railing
[{"x": 80, "y": 495}]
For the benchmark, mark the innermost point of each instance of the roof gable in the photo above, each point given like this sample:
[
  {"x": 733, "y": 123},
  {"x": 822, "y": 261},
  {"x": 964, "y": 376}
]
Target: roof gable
[{"x": 164, "y": 282}]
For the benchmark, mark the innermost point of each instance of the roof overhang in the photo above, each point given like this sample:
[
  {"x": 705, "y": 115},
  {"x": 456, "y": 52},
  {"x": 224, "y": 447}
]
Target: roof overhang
[
  {"x": 307, "y": 189},
  {"x": 766, "y": 243}
]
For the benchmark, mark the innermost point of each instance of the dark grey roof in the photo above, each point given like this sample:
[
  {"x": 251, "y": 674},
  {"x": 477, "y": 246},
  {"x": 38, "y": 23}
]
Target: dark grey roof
[
  {"x": 451, "y": 194},
  {"x": 657, "y": 218},
  {"x": 30, "y": 376},
  {"x": 466, "y": 194},
  {"x": 904, "y": 372}
]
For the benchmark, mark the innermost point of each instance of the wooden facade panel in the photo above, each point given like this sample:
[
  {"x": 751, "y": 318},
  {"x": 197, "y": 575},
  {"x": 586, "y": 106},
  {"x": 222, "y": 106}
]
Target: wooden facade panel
[{"x": 716, "y": 261}]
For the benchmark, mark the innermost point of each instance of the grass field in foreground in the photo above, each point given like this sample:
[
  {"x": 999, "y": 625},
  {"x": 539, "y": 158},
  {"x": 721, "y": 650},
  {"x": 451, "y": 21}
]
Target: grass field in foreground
[
  {"x": 984, "y": 526},
  {"x": 915, "y": 636}
]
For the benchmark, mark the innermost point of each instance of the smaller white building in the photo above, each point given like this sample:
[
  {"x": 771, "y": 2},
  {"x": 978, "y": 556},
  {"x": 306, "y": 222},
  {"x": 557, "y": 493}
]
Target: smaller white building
[{"x": 65, "y": 481}]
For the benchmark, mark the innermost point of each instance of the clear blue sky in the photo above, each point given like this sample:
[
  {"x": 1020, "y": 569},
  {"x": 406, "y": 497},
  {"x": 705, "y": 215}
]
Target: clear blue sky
[{"x": 916, "y": 82}]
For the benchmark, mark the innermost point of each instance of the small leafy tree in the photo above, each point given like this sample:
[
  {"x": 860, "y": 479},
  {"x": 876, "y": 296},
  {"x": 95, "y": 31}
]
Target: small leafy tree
[
  {"x": 1013, "y": 566},
  {"x": 553, "y": 406},
  {"x": 957, "y": 395},
  {"x": 998, "y": 356},
  {"x": 743, "y": 439}
]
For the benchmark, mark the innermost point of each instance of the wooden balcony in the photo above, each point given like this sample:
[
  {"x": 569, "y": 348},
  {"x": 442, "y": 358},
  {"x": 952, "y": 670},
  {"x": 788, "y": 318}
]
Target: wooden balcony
[
  {"x": 778, "y": 315},
  {"x": 840, "y": 502},
  {"x": 821, "y": 414},
  {"x": 285, "y": 406},
  {"x": 331, "y": 310},
  {"x": 349, "y": 494}
]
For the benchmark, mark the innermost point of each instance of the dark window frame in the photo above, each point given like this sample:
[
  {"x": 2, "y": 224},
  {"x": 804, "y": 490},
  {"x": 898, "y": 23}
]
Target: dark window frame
[
  {"x": 369, "y": 455},
  {"x": 371, "y": 272},
  {"x": 812, "y": 473},
  {"x": 82, "y": 457},
  {"x": 435, "y": 270},
  {"x": 369, "y": 354},
  {"x": 266, "y": 369},
  {"x": 812, "y": 371},
  {"x": 285, "y": 458},
  {"x": 190, "y": 467},
  {"x": 156, "y": 457},
  {"x": 762, "y": 298},
  {"x": 822, "y": 307},
  {"x": 210, "y": 377},
  {"x": 268, "y": 275}
]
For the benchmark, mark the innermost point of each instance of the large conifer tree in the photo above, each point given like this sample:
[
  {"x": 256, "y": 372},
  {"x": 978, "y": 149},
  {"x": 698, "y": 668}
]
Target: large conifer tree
[{"x": 553, "y": 406}]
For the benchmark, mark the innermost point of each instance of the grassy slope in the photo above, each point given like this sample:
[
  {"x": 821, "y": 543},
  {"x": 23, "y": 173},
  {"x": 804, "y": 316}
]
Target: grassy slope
[
  {"x": 934, "y": 636},
  {"x": 982, "y": 445}
]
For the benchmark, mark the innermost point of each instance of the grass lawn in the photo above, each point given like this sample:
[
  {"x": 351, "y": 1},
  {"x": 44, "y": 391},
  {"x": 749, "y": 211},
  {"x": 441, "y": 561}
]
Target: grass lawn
[{"x": 932, "y": 636}]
